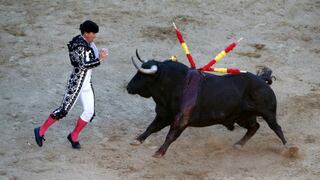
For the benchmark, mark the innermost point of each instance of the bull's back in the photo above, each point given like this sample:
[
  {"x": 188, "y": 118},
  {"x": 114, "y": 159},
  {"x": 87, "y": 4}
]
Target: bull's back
[
  {"x": 225, "y": 97},
  {"x": 216, "y": 90},
  {"x": 232, "y": 87}
]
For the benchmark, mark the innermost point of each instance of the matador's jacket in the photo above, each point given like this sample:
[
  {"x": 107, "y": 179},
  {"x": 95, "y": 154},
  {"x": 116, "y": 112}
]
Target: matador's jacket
[{"x": 83, "y": 57}]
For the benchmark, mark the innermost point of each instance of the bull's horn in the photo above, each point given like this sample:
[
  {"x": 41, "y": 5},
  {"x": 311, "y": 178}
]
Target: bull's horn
[
  {"x": 134, "y": 63},
  {"x": 137, "y": 54},
  {"x": 152, "y": 70}
]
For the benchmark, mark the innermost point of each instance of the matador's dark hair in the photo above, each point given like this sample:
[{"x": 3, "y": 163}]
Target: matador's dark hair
[{"x": 89, "y": 26}]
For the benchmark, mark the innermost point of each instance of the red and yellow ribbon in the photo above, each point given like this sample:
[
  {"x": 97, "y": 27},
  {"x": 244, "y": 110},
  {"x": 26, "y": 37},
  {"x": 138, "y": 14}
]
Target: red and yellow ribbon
[
  {"x": 221, "y": 55},
  {"x": 184, "y": 47},
  {"x": 226, "y": 70}
]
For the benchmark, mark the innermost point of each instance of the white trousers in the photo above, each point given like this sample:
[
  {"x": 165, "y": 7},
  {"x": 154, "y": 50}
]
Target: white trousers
[
  {"x": 86, "y": 93},
  {"x": 87, "y": 100}
]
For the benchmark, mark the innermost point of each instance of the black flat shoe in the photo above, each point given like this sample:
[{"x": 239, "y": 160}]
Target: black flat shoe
[
  {"x": 75, "y": 145},
  {"x": 39, "y": 139}
]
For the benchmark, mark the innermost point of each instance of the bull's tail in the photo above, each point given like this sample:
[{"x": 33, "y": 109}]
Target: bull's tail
[{"x": 265, "y": 73}]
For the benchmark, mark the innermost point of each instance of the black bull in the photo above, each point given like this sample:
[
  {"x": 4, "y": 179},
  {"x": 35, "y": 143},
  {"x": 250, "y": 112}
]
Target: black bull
[{"x": 187, "y": 97}]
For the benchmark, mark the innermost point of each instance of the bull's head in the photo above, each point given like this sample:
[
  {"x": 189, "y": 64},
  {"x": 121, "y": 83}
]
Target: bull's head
[{"x": 144, "y": 79}]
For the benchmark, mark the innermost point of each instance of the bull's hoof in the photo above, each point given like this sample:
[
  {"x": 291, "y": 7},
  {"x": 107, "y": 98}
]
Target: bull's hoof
[
  {"x": 158, "y": 155},
  {"x": 238, "y": 146},
  {"x": 135, "y": 142}
]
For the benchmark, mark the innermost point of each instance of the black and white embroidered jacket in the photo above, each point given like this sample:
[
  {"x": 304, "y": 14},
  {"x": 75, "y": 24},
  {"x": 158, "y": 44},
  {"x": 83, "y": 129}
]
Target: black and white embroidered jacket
[
  {"x": 81, "y": 54},
  {"x": 83, "y": 57}
]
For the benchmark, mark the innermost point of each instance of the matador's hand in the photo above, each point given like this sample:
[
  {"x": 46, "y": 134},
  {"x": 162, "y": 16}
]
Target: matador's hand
[{"x": 103, "y": 53}]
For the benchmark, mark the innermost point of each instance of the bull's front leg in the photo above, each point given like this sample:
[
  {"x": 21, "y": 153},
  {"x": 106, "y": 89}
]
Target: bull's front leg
[
  {"x": 173, "y": 134},
  {"x": 157, "y": 124},
  {"x": 175, "y": 131}
]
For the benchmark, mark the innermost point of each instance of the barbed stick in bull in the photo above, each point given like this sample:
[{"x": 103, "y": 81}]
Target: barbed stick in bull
[
  {"x": 221, "y": 55},
  {"x": 208, "y": 67},
  {"x": 184, "y": 46}
]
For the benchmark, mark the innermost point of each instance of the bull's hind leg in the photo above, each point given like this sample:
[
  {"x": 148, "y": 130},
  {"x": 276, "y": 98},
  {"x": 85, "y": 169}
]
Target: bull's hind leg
[
  {"x": 251, "y": 124},
  {"x": 270, "y": 118}
]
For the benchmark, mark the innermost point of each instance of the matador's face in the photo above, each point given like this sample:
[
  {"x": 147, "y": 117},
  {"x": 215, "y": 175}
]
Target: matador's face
[{"x": 89, "y": 36}]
